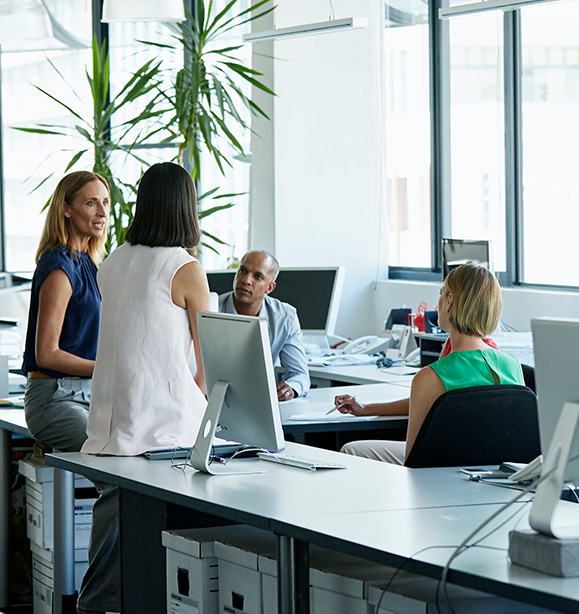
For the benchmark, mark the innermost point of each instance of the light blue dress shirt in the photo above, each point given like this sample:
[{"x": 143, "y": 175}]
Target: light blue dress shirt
[{"x": 285, "y": 336}]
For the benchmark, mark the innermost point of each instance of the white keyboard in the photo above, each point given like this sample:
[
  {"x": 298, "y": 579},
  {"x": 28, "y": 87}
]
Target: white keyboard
[{"x": 298, "y": 461}]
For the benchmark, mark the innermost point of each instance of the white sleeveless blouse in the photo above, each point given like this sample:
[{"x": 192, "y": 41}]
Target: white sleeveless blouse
[{"x": 143, "y": 393}]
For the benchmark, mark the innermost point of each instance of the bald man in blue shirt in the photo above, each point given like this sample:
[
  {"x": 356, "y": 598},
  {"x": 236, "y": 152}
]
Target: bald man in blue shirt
[{"x": 253, "y": 282}]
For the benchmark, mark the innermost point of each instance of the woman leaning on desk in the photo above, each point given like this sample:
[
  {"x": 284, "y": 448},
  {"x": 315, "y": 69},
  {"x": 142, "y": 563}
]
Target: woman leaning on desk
[
  {"x": 63, "y": 319},
  {"x": 469, "y": 310}
]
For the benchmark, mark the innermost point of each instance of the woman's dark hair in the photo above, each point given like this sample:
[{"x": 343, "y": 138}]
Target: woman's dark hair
[{"x": 166, "y": 209}]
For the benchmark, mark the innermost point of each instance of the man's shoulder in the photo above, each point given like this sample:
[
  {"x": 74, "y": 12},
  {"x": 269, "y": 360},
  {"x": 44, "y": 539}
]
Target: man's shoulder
[
  {"x": 224, "y": 299},
  {"x": 280, "y": 307}
]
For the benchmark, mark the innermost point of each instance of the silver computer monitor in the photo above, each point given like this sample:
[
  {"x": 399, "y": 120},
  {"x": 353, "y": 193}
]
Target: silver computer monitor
[
  {"x": 315, "y": 292},
  {"x": 556, "y": 348},
  {"x": 241, "y": 387}
]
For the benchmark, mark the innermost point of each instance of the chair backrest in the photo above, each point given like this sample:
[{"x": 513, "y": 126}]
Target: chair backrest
[{"x": 482, "y": 425}]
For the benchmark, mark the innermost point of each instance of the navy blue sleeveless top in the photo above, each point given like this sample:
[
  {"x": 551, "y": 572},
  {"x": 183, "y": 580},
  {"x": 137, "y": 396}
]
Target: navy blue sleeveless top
[{"x": 80, "y": 328}]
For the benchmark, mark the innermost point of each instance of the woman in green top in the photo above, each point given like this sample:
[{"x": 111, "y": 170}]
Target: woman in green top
[{"x": 469, "y": 309}]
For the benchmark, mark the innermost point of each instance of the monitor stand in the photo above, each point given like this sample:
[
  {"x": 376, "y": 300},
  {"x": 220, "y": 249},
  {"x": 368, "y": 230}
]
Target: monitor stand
[
  {"x": 201, "y": 452},
  {"x": 551, "y": 547},
  {"x": 543, "y": 511}
]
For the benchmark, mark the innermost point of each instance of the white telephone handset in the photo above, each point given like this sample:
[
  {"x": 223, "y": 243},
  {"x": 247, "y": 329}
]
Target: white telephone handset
[{"x": 370, "y": 344}]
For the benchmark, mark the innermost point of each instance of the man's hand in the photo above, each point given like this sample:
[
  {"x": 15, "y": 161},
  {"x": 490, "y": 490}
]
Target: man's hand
[{"x": 285, "y": 392}]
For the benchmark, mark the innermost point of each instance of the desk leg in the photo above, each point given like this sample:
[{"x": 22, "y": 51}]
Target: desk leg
[
  {"x": 64, "y": 594},
  {"x": 293, "y": 576},
  {"x": 5, "y": 507}
]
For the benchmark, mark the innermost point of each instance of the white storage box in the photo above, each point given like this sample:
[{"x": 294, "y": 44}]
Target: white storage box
[
  {"x": 40, "y": 504},
  {"x": 338, "y": 582},
  {"x": 192, "y": 566},
  {"x": 411, "y": 594},
  {"x": 43, "y": 576}
]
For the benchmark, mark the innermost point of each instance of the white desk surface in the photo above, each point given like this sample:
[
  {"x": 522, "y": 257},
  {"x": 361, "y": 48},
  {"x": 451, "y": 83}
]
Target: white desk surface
[
  {"x": 361, "y": 374},
  {"x": 315, "y": 405},
  {"x": 13, "y": 420},
  {"x": 284, "y": 492},
  {"x": 382, "y": 512},
  {"x": 429, "y": 537}
]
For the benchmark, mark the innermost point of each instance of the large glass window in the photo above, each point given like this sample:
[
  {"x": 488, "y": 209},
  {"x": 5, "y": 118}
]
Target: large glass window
[
  {"x": 31, "y": 158},
  {"x": 550, "y": 137},
  {"x": 407, "y": 127},
  {"x": 477, "y": 131},
  {"x": 505, "y": 122}
]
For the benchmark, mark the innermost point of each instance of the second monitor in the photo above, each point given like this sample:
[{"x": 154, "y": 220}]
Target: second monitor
[{"x": 315, "y": 292}]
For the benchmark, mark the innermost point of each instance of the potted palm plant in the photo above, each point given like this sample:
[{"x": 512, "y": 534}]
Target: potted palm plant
[
  {"x": 208, "y": 103},
  {"x": 201, "y": 112}
]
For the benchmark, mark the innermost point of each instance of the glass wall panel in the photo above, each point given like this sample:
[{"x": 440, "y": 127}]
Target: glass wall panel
[
  {"x": 550, "y": 58},
  {"x": 407, "y": 133},
  {"x": 30, "y": 158},
  {"x": 477, "y": 131}
]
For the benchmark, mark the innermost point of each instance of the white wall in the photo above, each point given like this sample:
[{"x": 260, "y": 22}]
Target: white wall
[{"x": 327, "y": 151}]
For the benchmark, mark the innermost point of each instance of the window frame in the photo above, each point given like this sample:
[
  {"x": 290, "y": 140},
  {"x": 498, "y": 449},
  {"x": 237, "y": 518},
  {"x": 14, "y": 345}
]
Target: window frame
[{"x": 439, "y": 48}]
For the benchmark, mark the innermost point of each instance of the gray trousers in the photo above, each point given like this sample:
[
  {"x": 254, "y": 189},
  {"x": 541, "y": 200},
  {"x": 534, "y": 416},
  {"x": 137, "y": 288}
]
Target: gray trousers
[
  {"x": 385, "y": 451},
  {"x": 56, "y": 413}
]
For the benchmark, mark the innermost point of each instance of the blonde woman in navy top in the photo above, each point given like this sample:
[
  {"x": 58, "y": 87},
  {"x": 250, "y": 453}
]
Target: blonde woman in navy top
[{"x": 64, "y": 311}]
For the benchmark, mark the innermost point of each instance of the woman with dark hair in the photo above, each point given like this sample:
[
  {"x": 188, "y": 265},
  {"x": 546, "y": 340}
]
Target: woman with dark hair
[
  {"x": 144, "y": 395},
  {"x": 63, "y": 319}
]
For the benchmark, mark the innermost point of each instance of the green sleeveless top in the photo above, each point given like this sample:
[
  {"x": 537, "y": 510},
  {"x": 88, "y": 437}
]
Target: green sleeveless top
[{"x": 478, "y": 368}]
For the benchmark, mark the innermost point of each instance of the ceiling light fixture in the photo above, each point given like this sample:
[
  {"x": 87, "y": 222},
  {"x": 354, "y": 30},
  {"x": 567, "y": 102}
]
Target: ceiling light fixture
[
  {"x": 334, "y": 25},
  {"x": 143, "y": 10}
]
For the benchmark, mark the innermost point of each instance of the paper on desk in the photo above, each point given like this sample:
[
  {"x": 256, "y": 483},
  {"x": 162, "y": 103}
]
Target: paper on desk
[
  {"x": 342, "y": 360},
  {"x": 401, "y": 370},
  {"x": 317, "y": 412}
]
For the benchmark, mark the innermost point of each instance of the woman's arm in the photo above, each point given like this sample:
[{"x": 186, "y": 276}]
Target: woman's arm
[
  {"x": 426, "y": 388},
  {"x": 190, "y": 291},
  {"x": 54, "y": 296},
  {"x": 349, "y": 405}
]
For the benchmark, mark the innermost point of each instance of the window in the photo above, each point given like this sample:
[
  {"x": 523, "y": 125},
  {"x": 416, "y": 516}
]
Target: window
[
  {"x": 477, "y": 132},
  {"x": 408, "y": 133},
  {"x": 550, "y": 131},
  {"x": 30, "y": 158},
  {"x": 61, "y": 32},
  {"x": 504, "y": 121}
]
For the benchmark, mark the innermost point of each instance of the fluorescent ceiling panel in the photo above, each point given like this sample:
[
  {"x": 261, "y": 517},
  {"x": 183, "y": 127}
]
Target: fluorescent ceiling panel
[{"x": 335, "y": 25}]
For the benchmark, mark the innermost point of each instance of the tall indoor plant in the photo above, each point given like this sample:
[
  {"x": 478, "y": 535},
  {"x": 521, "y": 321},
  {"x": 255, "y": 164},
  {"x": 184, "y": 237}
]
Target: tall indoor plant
[
  {"x": 208, "y": 89},
  {"x": 207, "y": 99},
  {"x": 199, "y": 114}
]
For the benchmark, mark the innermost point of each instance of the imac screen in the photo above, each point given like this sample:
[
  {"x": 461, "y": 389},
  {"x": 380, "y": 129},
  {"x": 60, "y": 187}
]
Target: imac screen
[
  {"x": 461, "y": 251},
  {"x": 314, "y": 292},
  {"x": 556, "y": 348}
]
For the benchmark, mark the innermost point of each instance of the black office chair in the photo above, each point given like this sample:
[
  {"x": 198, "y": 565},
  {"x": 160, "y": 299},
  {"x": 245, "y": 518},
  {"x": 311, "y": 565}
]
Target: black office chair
[
  {"x": 483, "y": 425},
  {"x": 529, "y": 377}
]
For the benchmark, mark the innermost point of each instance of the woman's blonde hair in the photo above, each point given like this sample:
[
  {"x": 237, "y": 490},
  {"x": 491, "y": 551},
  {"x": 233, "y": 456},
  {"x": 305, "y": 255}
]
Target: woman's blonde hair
[
  {"x": 476, "y": 300},
  {"x": 56, "y": 231}
]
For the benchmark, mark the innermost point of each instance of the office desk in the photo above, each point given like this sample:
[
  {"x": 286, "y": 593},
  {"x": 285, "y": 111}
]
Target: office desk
[
  {"x": 360, "y": 374},
  {"x": 378, "y": 511},
  {"x": 306, "y": 421}
]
